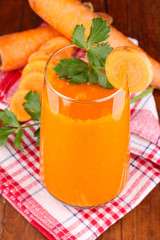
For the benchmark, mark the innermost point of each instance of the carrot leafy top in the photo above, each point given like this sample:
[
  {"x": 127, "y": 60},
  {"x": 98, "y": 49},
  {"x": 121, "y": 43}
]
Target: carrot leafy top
[{"x": 78, "y": 71}]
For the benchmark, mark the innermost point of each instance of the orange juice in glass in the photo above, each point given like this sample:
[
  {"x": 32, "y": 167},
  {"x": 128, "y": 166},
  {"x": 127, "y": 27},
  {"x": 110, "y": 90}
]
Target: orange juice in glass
[{"x": 85, "y": 133}]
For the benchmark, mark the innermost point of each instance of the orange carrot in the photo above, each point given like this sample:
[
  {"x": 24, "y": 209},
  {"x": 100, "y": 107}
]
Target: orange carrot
[
  {"x": 33, "y": 75},
  {"x": 39, "y": 55},
  {"x": 33, "y": 82},
  {"x": 16, "y": 48},
  {"x": 105, "y": 16},
  {"x": 16, "y": 106},
  {"x": 54, "y": 44},
  {"x": 33, "y": 72},
  {"x": 34, "y": 66},
  {"x": 118, "y": 39},
  {"x": 128, "y": 61},
  {"x": 63, "y": 15},
  {"x": 49, "y": 48}
]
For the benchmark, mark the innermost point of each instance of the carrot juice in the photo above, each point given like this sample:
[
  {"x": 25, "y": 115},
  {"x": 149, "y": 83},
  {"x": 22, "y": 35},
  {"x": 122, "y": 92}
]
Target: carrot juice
[{"x": 84, "y": 146}]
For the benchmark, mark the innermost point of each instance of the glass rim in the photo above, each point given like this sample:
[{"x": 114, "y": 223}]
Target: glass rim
[{"x": 74, "y": 99}]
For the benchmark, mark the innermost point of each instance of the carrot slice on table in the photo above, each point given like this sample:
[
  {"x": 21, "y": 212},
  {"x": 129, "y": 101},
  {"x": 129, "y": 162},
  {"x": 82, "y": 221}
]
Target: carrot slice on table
[
  {"x": 33, "y": 82},
  {"x": 16, "y": 106},
  {"x": 39, "y": 55},
  {"x": 130, "y": 63},
  {"x": 16, "y": 48},
  {"x": 68, "y": 13},
  {"x": 55, "y": 44},
  {"x": 48, "y": 48},
  {"x": 34, "y": 66}
]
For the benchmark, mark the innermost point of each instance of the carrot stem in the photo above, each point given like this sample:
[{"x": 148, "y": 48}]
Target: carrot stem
[
  {"x": 143, "y": 94},
  {"x": 31, "y": 125}
]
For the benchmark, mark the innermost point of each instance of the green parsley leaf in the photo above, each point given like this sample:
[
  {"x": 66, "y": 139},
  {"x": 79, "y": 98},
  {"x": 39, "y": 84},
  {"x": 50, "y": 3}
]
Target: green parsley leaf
[
  {"x": 38, "y": 142},
  {"x": 32, "y": 106},
  {"x": 37, "y": 132},
  {"x": 17, "y": 140},
  {"x": 4, "y": 133},
  {"x": 79, "y": 36},
  {"x": 9, "y": 118},
  {"x": 143, "y": 94},
  {"x": 102, "y": 79},
  {"x": 99, "y": 32},
  {"x": 67, "y": 68},
  {"x": 80, "y": 78},
  {"x": 93, "y": 77},
  {"x": 97, "y": 55}
]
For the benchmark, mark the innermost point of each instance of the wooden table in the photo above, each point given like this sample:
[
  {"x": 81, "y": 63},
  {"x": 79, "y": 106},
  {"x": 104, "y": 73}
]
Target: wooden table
[{"x": 139, "y": 19}]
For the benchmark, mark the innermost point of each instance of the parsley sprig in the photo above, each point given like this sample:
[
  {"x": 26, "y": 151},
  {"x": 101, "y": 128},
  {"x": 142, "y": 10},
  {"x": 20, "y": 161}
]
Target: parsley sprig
[
  {"x": 11, "y": 124},
  {"x": 76, "y": 70}
]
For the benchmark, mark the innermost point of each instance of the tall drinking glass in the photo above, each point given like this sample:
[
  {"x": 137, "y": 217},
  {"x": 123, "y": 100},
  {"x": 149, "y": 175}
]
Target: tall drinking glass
[{"x": 84, "y": 142}]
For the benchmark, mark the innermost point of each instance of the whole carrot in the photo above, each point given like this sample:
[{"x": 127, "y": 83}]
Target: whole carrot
[
  {"x": 64, "y": 15},
  {"x": 16, "y": 48},
  {"x": 105, "y": 16}
]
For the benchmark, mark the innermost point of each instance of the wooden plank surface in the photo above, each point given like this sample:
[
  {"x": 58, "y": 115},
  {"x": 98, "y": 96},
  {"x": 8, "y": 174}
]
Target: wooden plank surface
[{"x": 139, "y": 19}]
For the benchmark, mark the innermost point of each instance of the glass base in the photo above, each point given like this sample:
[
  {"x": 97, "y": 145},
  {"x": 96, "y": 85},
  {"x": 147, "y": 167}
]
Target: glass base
[{"x": 84, "y": 207}]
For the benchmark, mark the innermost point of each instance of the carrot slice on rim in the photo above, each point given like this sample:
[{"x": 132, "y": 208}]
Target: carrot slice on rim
[{"x": 129, "y": 62}]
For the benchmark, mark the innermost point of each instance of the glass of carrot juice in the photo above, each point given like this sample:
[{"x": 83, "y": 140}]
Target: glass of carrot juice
[{"x": 84, "y": 139}]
